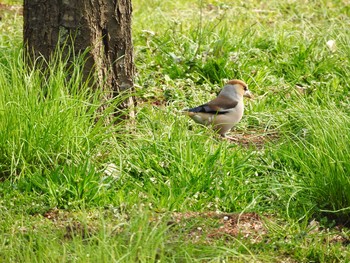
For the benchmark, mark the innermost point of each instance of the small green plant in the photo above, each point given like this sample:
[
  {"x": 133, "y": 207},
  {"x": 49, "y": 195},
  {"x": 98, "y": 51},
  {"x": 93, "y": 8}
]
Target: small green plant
[
  {"x": 48, "y": 118},
  {"x": 52, "y": 130},
  {"x": 72, "y": 185},
  {"x": 317, "y": 150}
]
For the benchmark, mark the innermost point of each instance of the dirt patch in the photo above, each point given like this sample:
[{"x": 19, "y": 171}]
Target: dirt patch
[
  {"x": 210, "y": 226},
  {"x": 249, "y": 226},
  {"x": 253, "y": 138},
  {"x": 335, "y": 235},
  {"x": 194, "y": 227},
  {"x": 71, "y": 225},
  {"x": 52, "y": 215},
  {"x": 197, "y": 225}
]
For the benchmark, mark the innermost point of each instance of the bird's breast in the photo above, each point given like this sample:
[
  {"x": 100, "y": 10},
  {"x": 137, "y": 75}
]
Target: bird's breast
[
  {"x": 224, "y": 122},
  {"x": 232, "y": 116}
]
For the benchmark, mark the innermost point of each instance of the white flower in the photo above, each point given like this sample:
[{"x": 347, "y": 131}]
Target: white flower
[{"x": 331, "y": 45}]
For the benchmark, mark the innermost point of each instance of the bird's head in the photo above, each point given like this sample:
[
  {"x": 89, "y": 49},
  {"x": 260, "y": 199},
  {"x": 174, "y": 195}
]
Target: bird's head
[{"x": 236, "y": 87}]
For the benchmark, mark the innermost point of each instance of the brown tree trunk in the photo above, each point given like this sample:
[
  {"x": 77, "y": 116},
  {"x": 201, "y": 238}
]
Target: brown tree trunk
[{"x": 101, "y": 26}]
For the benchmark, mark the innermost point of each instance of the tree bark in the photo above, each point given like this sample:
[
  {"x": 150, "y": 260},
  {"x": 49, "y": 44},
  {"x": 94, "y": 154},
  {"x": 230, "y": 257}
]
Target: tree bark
[{"x": 101, "y": 26}]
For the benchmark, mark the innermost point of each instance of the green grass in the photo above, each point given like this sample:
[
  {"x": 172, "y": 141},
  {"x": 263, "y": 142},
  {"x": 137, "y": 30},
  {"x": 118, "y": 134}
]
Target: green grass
[{"x": 73, "y": 189}]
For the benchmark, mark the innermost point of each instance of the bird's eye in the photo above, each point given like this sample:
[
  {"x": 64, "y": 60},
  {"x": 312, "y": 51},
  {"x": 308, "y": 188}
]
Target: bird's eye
[{"x": 245, "y": 88}]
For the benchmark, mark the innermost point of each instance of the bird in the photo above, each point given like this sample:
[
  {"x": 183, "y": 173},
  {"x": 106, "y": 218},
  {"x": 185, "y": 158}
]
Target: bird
[{"x": 226, "y": 110}]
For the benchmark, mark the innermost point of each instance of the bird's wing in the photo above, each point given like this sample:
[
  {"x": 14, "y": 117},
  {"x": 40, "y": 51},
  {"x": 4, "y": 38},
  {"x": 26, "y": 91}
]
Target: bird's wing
[{"x": 216, "y": 106}]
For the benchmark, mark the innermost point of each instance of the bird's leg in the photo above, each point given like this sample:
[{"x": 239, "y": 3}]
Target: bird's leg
[{"x": 230, "y": 138}]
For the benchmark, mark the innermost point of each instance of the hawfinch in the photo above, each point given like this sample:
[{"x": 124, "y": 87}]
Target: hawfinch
[{"x": 225, "y": 110}]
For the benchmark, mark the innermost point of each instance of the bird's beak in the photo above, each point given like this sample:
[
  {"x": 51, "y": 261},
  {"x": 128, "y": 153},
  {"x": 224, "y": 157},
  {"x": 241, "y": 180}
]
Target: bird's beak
[{"x": 248, "y": 94}]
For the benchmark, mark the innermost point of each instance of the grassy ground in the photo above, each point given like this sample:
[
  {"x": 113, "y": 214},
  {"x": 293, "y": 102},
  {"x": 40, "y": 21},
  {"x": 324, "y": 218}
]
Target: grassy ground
[{"x": 163, "y": 188}]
